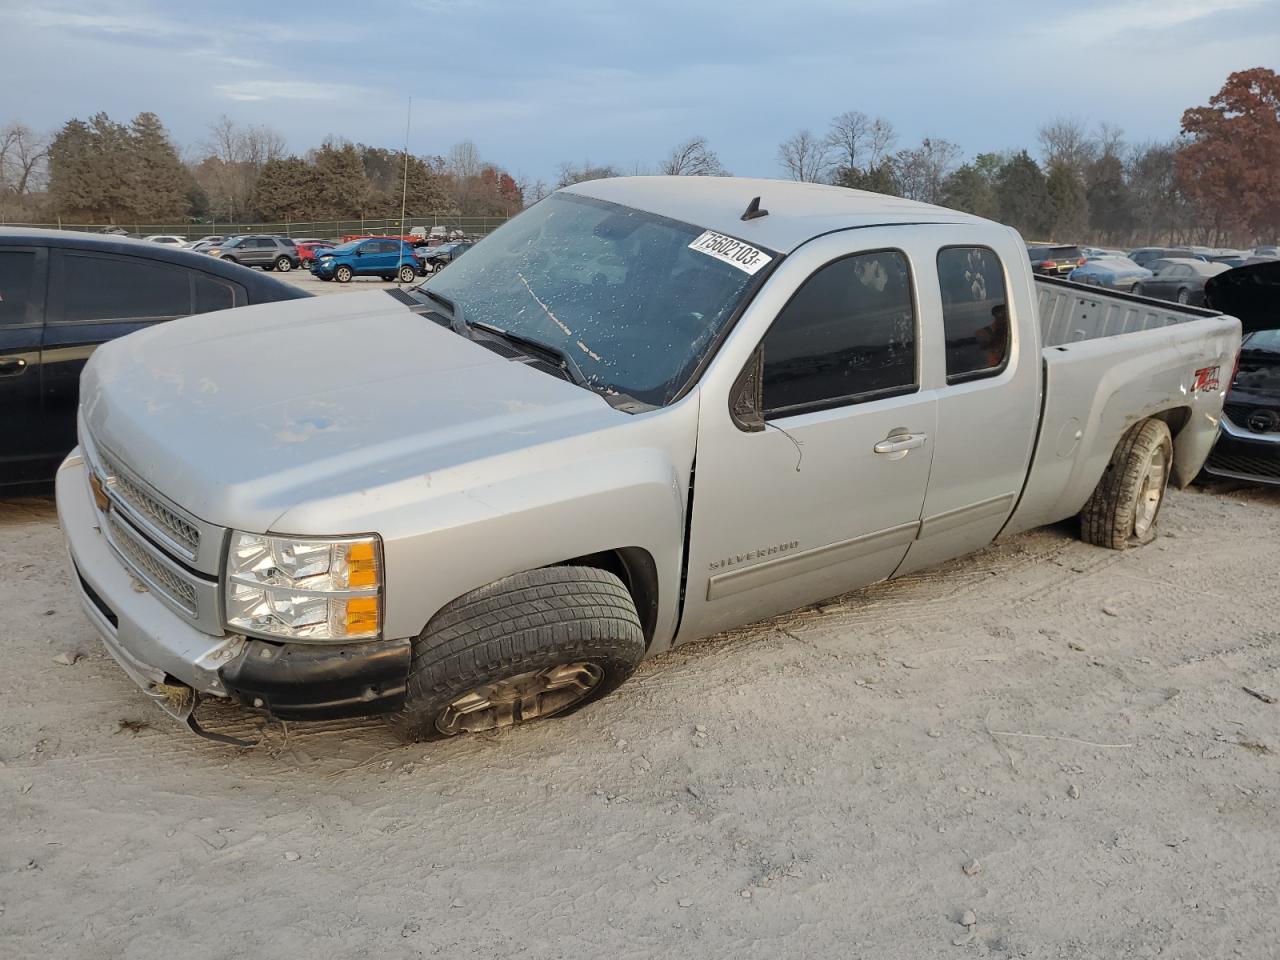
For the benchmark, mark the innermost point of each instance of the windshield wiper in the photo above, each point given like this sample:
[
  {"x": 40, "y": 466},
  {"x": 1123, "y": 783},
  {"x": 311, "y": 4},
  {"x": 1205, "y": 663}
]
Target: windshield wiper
[
  {"x": 563, "y": 359},
  {"x": 457, "y": 318}
]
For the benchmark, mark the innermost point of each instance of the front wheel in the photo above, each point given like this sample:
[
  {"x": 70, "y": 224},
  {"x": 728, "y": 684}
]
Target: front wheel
[
  {"x": 1184, "y": 297},
  {"x": 408, "y": 274},
  {"x": 1123, "y": 509},
  {"x": 534, "y": 645},
  {"x": 284, "y": 264},
  {"x": 1137, "y": 290},
  {"x": 343, "y": 274}
]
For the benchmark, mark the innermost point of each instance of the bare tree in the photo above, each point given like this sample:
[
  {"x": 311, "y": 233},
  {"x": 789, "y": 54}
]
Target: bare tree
[
  {"x": 23, "y": 159},
  {"x": 693, "y": 158},
  {"x": 848, "y": 139},
  {"x": 233, "y": 158},
  {"x": 804, "y": 157},
  {"x": 1065, "y": 141},
  {"x": 881, "y": 139},
  {"x": 464, "y": 161},
  {"x": 570, "y": 174},
  {"x": 1108, "y": 141},
  {"x": 921, "y": 171}
]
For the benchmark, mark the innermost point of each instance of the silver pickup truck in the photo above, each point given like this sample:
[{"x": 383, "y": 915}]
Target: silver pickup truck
[{"x": 643, "y": 411}]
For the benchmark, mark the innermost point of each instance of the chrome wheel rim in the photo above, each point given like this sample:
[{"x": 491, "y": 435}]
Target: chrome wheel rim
[
  {"x": 284, "y": 266},
  {"x": 1150, "y": 493},
  {"x": 520, "y": 699}
]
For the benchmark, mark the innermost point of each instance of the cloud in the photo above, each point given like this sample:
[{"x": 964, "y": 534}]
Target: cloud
[
  {"x": 252, "y": 90},
  {"x": 1137, "y": 17}
]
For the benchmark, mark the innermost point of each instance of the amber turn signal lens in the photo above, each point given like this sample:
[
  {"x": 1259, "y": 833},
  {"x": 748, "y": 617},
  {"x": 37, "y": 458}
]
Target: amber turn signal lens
[
  {"x": 362, "y": 565},
  {"x": 362, "y": 615}
]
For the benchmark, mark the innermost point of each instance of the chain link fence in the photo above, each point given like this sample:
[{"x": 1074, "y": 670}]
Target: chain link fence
[{"x": 321, "y": 229}]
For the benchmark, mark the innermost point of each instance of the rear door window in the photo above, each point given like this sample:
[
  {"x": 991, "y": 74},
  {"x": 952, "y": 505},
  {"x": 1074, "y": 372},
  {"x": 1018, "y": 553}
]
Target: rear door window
[
  {"x": 20, "y": 293},
  {"x": 103, "y": 287},
  {"x": 975, "y": 312},
  {"x": 848, "y": 335}
]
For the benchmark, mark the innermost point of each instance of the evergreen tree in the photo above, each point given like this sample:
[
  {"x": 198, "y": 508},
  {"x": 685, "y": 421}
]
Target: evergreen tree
[
  {"x": 1068, "y": 205},
  {"x": 70, "y": 160},
  {"x": 161, "y": 184},
  {"x": 287, "y": 190},
  {"x": 1023, "y": 196},
  {"x": 344, "y": 190}
]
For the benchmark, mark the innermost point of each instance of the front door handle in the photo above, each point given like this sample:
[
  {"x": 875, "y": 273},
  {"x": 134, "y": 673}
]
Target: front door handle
[
  {"x": 11, "y": 367},
  {"x": 896, "y": 445}
]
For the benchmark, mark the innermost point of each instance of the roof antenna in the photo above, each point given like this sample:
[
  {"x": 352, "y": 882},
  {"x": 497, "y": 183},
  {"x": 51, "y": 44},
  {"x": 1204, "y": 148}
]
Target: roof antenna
[{"x": 753, "y": 210}]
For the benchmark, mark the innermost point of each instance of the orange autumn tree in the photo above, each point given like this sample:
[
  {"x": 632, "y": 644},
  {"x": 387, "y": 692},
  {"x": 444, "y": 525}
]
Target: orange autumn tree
[{"x": 1230, "y": 164}]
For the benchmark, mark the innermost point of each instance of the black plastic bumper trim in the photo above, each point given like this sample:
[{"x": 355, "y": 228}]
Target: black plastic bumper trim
[{"x": 301, "y": 681}]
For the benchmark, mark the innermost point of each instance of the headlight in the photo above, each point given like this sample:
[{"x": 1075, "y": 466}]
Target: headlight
[{"x": 305, "y": 589}]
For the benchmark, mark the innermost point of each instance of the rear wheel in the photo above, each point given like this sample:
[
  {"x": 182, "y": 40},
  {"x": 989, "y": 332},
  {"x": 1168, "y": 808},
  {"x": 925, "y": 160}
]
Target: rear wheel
[
  {"x": 1123, "y": 509},
  {"x": 538, "y": 644},
  {"x": 408, "y": 274},
  {"x": 343, "y": 274},
  {"x": 284, "y": 264}
]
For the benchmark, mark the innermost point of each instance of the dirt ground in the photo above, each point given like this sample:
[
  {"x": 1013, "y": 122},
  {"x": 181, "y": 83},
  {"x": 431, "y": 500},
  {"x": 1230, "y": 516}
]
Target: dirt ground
[{"x": 1054, "y": 737}]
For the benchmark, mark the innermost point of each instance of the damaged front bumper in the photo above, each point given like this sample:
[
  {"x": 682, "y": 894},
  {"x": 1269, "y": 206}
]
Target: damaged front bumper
[{"x": 175, "y": 664}]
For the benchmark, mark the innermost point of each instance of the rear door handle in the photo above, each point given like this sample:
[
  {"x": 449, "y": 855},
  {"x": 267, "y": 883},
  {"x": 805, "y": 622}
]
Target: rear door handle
[
  {"x": 12, "y": 367},
  {"x": 900, "y": 443}
]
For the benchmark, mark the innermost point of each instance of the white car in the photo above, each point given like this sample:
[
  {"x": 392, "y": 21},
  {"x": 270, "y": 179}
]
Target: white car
[{"x": 166, "y": 238}]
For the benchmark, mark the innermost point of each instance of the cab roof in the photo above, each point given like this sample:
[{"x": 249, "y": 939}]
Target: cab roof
[{"x": 798, "y": 212}]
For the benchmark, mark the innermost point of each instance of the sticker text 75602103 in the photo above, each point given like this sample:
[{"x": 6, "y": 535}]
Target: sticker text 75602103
[{"x": 734, "y": 252}]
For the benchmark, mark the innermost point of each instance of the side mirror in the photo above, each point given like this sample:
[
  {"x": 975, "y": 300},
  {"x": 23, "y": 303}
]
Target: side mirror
[
  {"x": 359, "y": 251},
  {"x": 746, "y": 399}
]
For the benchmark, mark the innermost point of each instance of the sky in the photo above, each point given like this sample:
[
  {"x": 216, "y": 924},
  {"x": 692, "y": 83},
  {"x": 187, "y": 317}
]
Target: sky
[{"x": 534, "y": 84}]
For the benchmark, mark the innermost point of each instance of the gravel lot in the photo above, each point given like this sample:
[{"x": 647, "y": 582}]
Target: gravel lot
[{"x": 1051, "y": 738}]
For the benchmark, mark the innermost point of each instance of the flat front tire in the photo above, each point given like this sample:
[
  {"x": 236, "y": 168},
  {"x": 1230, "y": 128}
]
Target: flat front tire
[
  {"x": 1124, "y": 508},
  {"x": 534, "y": 645}
]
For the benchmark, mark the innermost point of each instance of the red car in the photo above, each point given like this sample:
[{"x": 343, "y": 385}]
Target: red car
[{"x": 307, "y": 249}]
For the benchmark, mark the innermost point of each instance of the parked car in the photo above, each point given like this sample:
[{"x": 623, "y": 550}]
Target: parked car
[
  {"x": 202, "y": 246},
  {"x": 211, "y": 238},
  {"x": 493, "y": 515},
  {"x": 269, "y": 253},
  {"x": 169, "y": 238},
  {"x": 437, "y": 258},
  {"x": 388, "y": 258},
  {"x": 1181, "y": 280},
  {"x": 1055, "y": 261},
  {"x": 1145, "y": 256},
  {"x": 1249, "y": 447},
  {"x": 1099, "y": 253},
  {"x": 307, "y": 249},
  {"x": 62, "y": 294},
  {"x": 1232, "y": 260},
  {"x": 1266, "y": 251},
  {"x": 1115, "y": 273}
]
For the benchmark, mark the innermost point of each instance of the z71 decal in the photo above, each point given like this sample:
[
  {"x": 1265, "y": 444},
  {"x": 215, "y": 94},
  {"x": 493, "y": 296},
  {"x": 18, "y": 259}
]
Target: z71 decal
[{"x": 1206, "y": 379}]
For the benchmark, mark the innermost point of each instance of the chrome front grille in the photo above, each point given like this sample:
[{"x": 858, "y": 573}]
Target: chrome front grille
[
  {"x": 182, "y": 533},
  {"x": 152, "y": 568}
]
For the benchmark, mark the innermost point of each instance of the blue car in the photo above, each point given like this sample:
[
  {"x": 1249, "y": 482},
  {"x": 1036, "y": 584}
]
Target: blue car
[
  {"x": 390, "y": 259},
  {"x": 1114, "y": 273}
]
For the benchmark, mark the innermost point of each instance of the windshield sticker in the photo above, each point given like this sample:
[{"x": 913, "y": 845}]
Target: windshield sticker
[{"x": 733, "y": 252}]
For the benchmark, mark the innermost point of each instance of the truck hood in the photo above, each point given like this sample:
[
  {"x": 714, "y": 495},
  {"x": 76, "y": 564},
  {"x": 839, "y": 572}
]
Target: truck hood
[{"x": 242, "y": 414}]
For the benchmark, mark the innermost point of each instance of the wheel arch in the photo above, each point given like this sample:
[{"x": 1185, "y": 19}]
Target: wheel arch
[{"x": 638, "y": 571}]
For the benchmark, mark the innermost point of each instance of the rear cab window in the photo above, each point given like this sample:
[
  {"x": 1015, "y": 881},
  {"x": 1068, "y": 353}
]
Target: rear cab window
[
  {"x": 975, "y": 312},
  {"x": 21, "y": 286}
]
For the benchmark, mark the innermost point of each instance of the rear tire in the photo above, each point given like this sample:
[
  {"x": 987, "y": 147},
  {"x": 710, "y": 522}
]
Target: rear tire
[
  {"x": 284, "y": 264},
  {"x": 408, "y": 274},
  {"x": 537, "y": 644},
  {"x": 1124, "y": 508}
]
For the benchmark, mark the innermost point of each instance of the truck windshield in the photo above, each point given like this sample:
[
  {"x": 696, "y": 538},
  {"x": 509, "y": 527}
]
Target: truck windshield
[{"x": 618, "y": 289}]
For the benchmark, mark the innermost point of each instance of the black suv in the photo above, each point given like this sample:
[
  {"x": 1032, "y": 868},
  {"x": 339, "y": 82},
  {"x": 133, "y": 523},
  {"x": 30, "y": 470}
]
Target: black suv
[
  {"x": 1049, "y": 260},
  {"x": 269, "y": 253},
  {"x": 63, "y": 293}
]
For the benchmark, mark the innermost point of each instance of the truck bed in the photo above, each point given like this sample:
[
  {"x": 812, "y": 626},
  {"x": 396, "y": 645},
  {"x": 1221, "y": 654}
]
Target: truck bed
[
  {"x": 1111, "y": 360},
  {"x": 1072, "y": 312}
]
